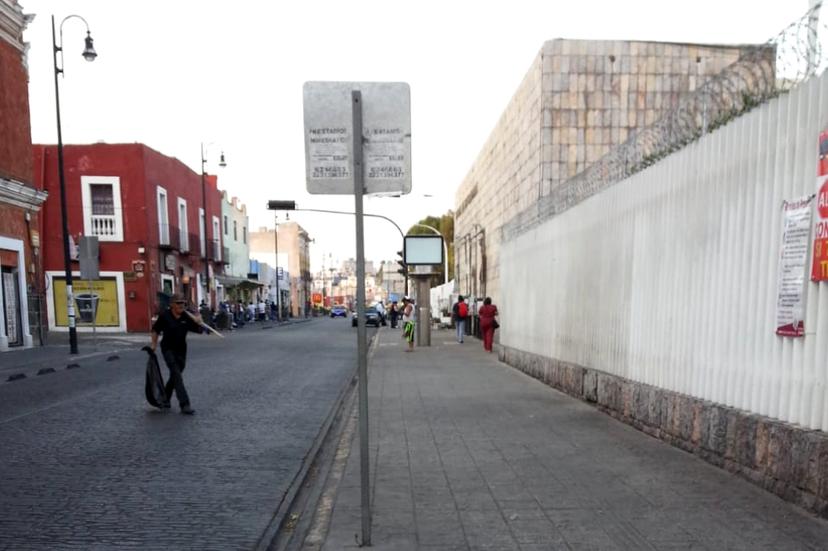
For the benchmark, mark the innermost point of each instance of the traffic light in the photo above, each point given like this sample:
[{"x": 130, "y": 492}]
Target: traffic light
[{"x": 403, "y": 267}]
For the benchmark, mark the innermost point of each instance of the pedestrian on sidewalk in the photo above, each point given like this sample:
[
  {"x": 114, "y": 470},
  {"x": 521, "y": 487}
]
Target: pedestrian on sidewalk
[
  {"x": 174, "y": 323},
  {"x": 408, "y": 323},
  {"x": 460, "y": 312},
  {"x": 393, "y": 313},
  {"x": 488, "y": 323}
]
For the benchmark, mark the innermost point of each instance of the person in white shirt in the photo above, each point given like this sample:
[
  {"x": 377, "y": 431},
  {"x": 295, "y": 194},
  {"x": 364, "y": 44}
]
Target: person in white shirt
[{"x": 381, "y": 311}]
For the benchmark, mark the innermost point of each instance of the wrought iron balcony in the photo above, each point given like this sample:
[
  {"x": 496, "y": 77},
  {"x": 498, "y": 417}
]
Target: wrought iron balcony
[{"x": 168, "y": 236}]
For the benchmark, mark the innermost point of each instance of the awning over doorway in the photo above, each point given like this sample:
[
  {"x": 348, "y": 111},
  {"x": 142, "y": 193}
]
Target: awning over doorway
[{"x": 230, "y": 281}]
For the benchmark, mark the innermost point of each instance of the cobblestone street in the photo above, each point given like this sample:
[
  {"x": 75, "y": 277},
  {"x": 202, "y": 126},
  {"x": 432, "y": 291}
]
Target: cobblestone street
[{"x": 87, "y": 464}]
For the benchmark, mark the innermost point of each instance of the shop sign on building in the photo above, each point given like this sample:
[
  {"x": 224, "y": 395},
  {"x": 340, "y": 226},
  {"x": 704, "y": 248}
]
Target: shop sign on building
[{"x": 92, "y": 298}]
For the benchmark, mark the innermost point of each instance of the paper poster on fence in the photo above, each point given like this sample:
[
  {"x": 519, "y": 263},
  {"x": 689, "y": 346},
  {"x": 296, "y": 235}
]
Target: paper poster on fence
[{"x": 793, "y": 259}]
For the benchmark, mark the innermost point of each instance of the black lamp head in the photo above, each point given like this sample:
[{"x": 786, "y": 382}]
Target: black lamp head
[{"x": 89, "y": 53}]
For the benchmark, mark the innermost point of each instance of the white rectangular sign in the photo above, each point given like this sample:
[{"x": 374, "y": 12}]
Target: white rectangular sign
[
  {"x": 423, "y": 250},
  {"x": 386, "y": 137},
  {"x": 793, "y": 259}
]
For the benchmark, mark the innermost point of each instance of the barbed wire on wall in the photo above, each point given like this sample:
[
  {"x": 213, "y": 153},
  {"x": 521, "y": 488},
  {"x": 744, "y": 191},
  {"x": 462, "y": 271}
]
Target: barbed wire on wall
[{"x": 761, "y": 73}]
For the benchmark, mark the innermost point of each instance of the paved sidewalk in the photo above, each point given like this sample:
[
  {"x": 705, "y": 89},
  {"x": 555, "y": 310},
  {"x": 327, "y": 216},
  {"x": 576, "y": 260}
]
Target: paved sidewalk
[
  {"x": 468, "y": 453},
  {"x": 56, "y": 352}
]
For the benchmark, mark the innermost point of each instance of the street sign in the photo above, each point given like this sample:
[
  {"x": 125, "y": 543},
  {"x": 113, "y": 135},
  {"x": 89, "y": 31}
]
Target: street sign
[
  {"x": 88, "y": 257},
  {"x": 386, "y": 137},
  {"x": 423, "y": 250}
]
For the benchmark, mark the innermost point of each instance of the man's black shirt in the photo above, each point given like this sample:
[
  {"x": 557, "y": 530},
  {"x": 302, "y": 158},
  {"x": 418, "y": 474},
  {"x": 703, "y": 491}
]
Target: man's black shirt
[{"x": 174, "y": 331}]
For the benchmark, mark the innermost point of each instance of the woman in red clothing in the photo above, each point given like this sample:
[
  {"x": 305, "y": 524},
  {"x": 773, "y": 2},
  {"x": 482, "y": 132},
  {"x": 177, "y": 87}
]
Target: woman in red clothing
[{"x": 487, "y": 315}]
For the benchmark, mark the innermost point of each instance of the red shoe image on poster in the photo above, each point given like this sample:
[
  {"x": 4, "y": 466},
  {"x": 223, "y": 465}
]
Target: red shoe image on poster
[{"x": 819, "y": 266}]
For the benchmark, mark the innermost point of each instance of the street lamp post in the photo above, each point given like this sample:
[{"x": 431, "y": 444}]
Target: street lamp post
[
  {"x": 276, "y": 266},
  {"x": 89, "y": 54},
  {"x": 222, "y": 163}
]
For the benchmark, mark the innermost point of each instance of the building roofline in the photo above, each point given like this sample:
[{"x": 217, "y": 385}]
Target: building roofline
[
  {"x": 140, "y": 145},
  {"x": 685, "y": 44}
]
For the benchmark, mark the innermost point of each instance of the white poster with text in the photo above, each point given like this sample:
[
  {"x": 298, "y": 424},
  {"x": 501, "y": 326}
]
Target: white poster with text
[{"x": 793, "y": 259}]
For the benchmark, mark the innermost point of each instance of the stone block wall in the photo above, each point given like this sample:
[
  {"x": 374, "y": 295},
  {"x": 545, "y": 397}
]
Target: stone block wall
[
  {"x": 579, "y": 99},
  {"x": 503, "y": 181},
  {"x": 787, "y": 460},
  {"x": 596, "y": 92}
]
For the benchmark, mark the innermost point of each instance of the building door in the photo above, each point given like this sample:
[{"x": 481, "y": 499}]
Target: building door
[{"x": 11, "y": 300}]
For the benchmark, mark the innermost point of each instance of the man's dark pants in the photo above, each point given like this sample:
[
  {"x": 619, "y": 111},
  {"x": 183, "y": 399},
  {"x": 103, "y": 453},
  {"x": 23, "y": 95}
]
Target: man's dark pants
[{"x": 176, "y": 362}]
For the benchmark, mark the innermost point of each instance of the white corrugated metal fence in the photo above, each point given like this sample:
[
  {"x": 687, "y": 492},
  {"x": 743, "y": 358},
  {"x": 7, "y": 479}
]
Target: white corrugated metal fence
[{"x": 670, "y": 277}]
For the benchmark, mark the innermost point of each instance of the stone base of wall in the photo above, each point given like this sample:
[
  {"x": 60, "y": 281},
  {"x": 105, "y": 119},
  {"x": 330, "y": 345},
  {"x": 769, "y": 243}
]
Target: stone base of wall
[{"x": 789, "y": 461}]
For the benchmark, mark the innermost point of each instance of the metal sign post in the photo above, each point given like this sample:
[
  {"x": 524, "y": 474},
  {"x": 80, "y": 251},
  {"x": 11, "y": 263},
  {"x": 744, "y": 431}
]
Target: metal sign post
[
  {"x": 94, "y": 306},
  {"x": 358, "y": 140},
  {"x": 89, "y": 270},
  {"x": 362, "y": 333}
]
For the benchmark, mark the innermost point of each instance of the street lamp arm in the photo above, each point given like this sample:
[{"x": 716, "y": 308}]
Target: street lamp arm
[
  {"x": 435, "y": 230},
  {"x": 351, "y": 213},
  {"x": 67, "y": 18},
  {"x": 205, "y": 149},
  {"x": 58, "y": 47}
]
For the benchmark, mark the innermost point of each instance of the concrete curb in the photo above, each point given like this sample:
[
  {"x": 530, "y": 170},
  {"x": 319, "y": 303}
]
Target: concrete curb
[{"x": 269, "y": 536}]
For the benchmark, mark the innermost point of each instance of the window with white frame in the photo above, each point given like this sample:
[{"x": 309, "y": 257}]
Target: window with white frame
[
  {"x": 225, "y": 226},
  {"x": 167, "y": 284},
  {"x": 235, "y": 230},
  {"x": 202, "y": 229},
  {"x": 216, "y": 238},
  {"x": 163, "y": 217},
  {"x": 183, "y": 230},
  {"x": 102, "y": 212},
  {"x": 244, "y": 235}
]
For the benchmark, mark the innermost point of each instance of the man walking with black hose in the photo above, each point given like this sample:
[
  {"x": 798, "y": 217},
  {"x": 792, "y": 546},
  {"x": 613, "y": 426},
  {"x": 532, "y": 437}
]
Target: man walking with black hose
[{"x": 174, "y": 324}]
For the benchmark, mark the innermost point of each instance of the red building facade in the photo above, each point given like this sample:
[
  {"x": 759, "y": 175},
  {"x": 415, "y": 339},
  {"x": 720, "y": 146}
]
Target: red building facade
[
  {"x": 20, "y": 202},
  {"x": 156, "y": 235}
]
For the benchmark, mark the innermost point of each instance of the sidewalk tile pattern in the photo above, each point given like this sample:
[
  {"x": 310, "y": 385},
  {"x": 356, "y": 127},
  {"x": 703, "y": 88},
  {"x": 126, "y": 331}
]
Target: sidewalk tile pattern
[{"x": 468, "y": 453}]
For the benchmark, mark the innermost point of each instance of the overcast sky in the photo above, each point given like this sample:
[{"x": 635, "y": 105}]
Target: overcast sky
[{"x": 172, "y": 74}]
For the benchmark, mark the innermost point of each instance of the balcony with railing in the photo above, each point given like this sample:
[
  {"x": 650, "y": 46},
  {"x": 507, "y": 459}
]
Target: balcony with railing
[
  {"x": 184, "y": 241},
  {"x": 102, "y": 210},
  {"x": 215, "y": 250},
  {"x": 105, "y": 226},
  {"x": 193, "y": 245},
  {"x": 168, "y": 236}
]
